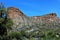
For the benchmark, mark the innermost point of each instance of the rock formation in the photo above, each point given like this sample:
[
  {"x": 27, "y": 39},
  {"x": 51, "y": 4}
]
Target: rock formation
[{"x": 20, "y": 20}]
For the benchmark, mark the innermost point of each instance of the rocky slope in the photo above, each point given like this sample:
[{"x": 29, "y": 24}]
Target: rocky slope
[{"x": 21, "y": 21}]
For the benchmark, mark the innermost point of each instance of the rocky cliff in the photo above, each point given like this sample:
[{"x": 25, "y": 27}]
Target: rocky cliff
[{"x": 21, "y": 21}]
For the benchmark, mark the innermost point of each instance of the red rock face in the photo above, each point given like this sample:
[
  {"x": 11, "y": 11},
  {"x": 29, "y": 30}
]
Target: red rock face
[
  {"x": 46, "y": 18},
  {"x": 14, "y": 12}
]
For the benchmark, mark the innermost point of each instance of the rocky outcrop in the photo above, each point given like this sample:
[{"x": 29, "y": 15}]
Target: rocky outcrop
[
  {"x": 48, "y": 18},
  {"x": 19, "y": 19}
]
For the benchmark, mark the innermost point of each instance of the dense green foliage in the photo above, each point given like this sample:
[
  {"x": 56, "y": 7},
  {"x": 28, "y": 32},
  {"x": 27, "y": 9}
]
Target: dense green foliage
[{"x": 44, "y": 34}]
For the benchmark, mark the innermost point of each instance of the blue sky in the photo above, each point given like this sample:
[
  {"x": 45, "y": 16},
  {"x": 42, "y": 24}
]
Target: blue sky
[{"x": 34, "y": 7}]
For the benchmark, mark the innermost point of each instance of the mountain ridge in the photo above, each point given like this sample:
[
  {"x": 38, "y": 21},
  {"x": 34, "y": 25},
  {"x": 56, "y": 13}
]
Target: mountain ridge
[{"x": 20, "y": 20}]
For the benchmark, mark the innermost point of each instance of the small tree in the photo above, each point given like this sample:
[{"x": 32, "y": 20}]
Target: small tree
[{"x": 5, "y": 23}]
